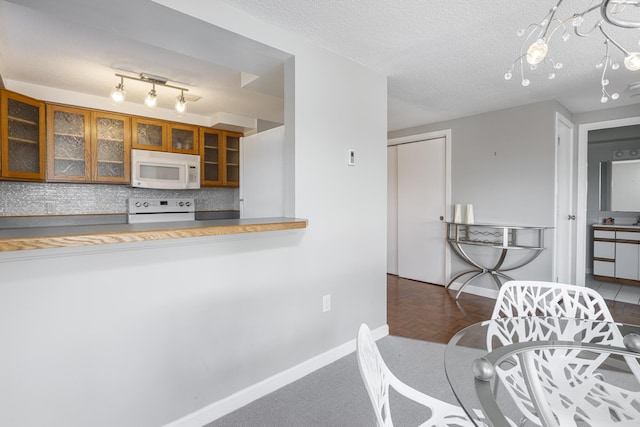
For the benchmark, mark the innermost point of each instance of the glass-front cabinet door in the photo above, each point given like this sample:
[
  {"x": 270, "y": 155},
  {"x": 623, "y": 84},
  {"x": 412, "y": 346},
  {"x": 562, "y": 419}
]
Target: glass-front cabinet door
[
  {"x": 68, "y": 133},
  {"x": 111, "y": 147},
  {"x": 183, "y": 138},
  {"x": 232, "y": 159},
  {"x": 22, "y": 137},
  {"x": 148, "y": 134},
  {"x": 211, "y": 157},
  {"x": 86, "y": 145}
]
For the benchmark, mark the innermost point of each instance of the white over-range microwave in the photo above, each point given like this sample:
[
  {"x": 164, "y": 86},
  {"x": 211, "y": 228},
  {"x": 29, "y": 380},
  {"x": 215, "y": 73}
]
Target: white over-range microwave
[{"x": 170, "y": 171}]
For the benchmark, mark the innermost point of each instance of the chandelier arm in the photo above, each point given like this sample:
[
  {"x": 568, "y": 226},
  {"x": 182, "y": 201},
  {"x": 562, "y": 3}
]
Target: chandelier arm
[
  {"x": 607, "y": 60},
  {"x": 560, "y": 24},
  {"x": 618, "y": 22},
  {"x": 606, "y": 36},
  {"x": 586, "y": 34},
  {"x": 551, "y": 14}
]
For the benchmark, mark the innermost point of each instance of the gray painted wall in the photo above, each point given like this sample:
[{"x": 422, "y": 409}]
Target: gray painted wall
[{"x": 503, "y": 163}]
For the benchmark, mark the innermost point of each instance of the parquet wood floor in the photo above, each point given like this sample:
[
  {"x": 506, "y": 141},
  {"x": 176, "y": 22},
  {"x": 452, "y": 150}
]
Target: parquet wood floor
[{"x": 428, "y": 312}]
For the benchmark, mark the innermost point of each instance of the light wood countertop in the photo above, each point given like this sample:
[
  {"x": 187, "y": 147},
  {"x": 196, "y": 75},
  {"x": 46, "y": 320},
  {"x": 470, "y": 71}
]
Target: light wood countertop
[{"x": 20, "y": 239}]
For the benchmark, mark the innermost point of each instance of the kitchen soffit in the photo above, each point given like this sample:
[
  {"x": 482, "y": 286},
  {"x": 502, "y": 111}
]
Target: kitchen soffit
[{"x": 79, "y": 45}]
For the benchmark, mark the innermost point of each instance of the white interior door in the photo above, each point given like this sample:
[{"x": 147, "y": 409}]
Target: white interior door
[
  {"x": 565, "y": 244},
  {"x": 421, "y": 210}
]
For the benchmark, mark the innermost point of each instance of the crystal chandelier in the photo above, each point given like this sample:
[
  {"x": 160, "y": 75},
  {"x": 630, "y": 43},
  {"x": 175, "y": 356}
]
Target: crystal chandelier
[{"x": 614, "y": 13}]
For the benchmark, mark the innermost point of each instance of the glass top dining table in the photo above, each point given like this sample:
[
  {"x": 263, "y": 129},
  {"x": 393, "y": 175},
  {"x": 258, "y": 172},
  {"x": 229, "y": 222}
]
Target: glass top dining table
[{"x": 548, "y": 371}]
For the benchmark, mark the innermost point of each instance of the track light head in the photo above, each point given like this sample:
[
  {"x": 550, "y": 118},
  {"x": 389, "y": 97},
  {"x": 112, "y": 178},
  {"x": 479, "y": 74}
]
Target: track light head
[
  {"x": 118, "y": 94},
  {"x": 151, "y": 100},
  {"x": 181, "y": 104}
]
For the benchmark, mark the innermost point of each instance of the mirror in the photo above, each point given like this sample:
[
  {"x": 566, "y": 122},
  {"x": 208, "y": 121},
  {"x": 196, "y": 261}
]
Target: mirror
[{"x": 620, "y": 185}]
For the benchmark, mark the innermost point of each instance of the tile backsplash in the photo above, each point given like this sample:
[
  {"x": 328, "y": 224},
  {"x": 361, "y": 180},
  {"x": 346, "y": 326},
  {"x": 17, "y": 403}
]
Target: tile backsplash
[{"x": 30, "y": 198}]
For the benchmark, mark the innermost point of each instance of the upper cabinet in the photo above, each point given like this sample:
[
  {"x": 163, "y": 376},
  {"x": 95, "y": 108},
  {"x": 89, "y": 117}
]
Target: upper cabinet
[
  {"x": 182, "y": 138},
  {"x": 232, "y": 159},
  {"x": 60, "y": 143},
  {"x": 111, "y": 147},
  {"x": 220, "y": 156},
  {"x": 211, "y": 157},
  {"x": 22, "y": 137},
  {"x": 87, "y": 146},
  {"x": 150, "y": 134}
]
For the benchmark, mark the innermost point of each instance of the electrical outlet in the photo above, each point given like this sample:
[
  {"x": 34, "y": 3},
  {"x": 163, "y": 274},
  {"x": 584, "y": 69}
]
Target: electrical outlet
[
  {"x": 326, "y": 303},
  {"x": 50, "y": 207}
]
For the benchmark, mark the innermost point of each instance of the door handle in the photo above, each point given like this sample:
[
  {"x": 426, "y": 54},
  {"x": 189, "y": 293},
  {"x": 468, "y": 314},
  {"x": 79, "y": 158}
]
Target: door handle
[
  {"x": 571, "y": 217},
  {"x": 441, "y": 218}
]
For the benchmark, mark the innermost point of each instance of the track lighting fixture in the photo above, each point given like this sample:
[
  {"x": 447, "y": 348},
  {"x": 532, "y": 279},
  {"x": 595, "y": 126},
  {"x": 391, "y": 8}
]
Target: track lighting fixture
[{"x": 151, "y": 99}]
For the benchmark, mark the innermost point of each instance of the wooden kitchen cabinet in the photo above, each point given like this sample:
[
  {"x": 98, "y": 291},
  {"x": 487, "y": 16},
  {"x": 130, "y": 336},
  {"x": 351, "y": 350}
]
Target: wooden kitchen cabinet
[
  {"x": 148, "y": 134},
  {"x": 220, "y": 156},
  {"x": 110, "y": 147},
  {"x": 232, "y": 159},
  {"x": 22, "y": 137},
  {"x": 211, "y": 157},
  {"x": 182, "y": 138},
  {"x": 158, "y": 135},
  {"x": 87, "y": 146}
]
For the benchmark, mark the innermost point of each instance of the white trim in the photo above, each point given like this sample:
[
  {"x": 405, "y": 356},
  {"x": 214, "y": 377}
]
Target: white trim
[
  {"x": 581, "y": 187},
  {"x": 243, "y": 397},
  {"x": 446, "y": 134},
  {"x": 570, "y": 125},
  {"x": 475, "y": 290}
]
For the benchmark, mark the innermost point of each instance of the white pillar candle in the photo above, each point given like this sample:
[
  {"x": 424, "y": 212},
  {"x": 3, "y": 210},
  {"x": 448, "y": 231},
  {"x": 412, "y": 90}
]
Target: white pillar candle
[
  {"x": 457, "y": 213},
  {"x": 469, "y": 215}
]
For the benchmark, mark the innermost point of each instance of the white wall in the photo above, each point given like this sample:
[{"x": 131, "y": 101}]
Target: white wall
[
  {"x": 144, "y": 334},
  {"x": 503, "y": 163}
]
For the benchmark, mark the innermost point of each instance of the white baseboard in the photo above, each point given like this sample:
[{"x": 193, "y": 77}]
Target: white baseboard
[
  {"x": 475, "y": 290},
  {"x": 243, "y": 397}
]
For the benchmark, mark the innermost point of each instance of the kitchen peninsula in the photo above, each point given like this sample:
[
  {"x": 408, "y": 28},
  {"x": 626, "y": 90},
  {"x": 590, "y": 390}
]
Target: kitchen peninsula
[{"x": 19, "y": 239}]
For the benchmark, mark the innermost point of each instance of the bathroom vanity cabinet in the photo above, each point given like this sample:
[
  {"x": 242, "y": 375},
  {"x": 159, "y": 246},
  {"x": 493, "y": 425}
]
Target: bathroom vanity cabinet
[{"x": 616, "y": 253}]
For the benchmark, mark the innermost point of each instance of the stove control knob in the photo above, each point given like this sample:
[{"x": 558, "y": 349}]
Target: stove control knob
[
  {"x": 145, "y": 204},
  {"x": 188, "y": 203},
  {"x": 181, "y": 204},
  {"x": 137, "y": 204}
]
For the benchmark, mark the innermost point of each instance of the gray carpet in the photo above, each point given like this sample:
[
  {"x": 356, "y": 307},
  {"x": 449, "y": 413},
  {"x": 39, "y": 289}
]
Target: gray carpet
[{"x": 335, "y": 395}]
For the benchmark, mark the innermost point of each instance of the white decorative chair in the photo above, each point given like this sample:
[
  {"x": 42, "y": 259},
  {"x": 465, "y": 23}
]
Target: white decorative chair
[
  {"x": 518, "y": 298},
  {"x": 378, "y": 378},
  {"x": 610, "y": 404}
]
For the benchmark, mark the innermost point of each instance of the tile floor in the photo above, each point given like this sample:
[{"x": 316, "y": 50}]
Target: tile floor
[{"x": 613, "y": 291}]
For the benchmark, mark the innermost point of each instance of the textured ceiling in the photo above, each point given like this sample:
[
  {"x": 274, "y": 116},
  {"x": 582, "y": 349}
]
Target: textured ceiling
[{"x": 444, "y": 59}]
